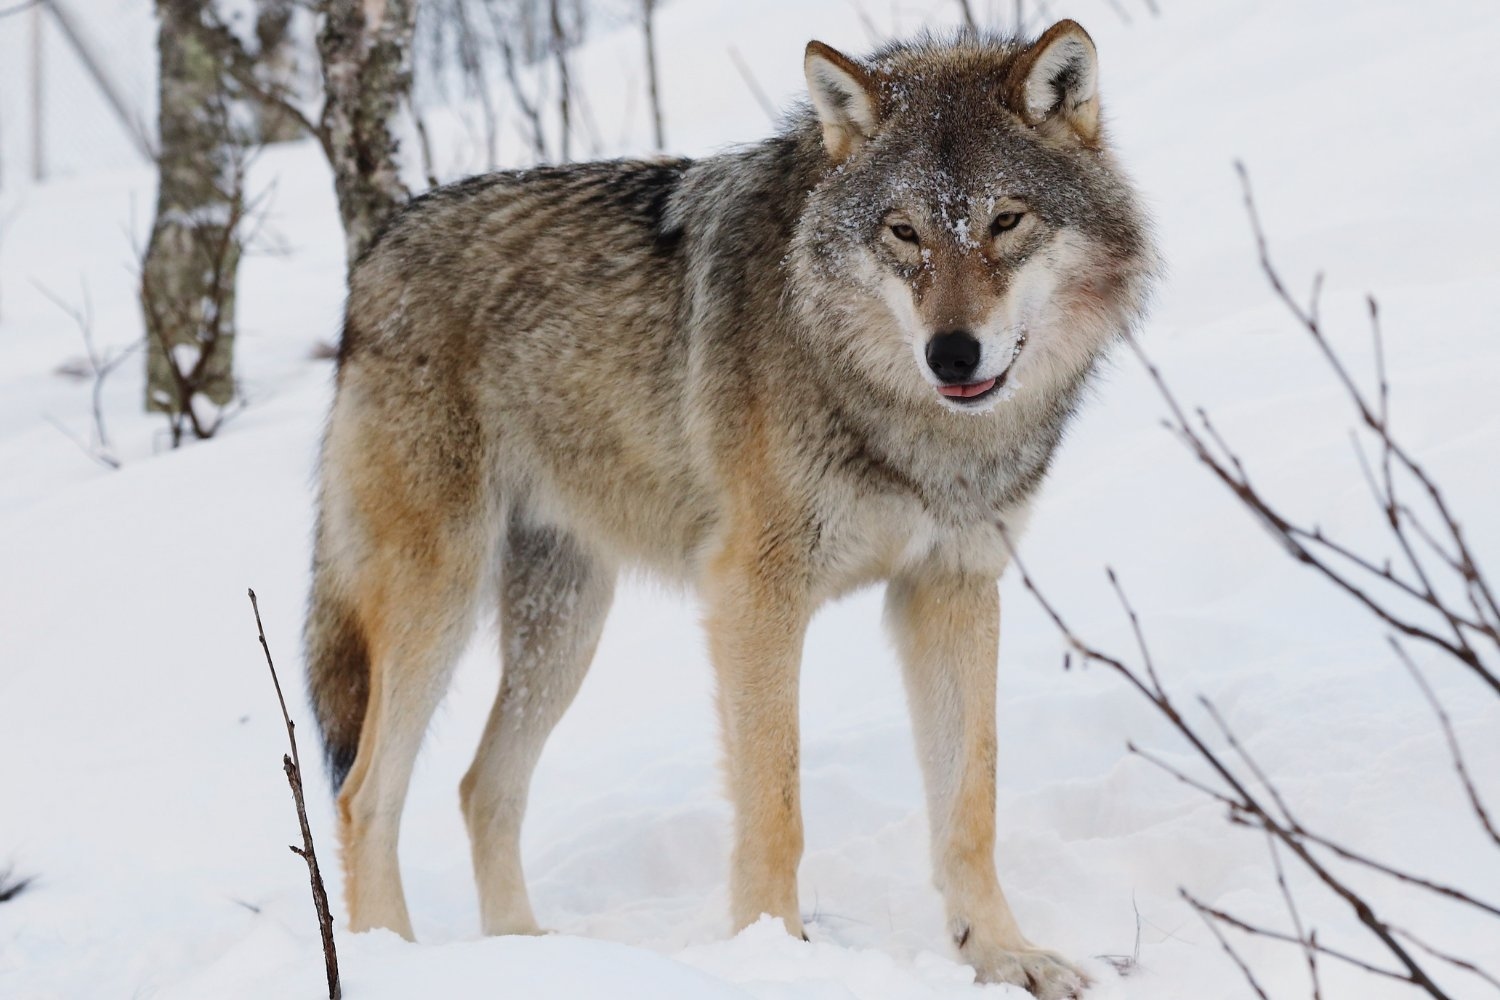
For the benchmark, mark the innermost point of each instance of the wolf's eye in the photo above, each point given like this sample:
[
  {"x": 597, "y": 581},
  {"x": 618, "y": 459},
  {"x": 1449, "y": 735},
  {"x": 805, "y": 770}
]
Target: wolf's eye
[
  {"x": 904, "y": 232},
  {"x": 1005, "y": 222}
]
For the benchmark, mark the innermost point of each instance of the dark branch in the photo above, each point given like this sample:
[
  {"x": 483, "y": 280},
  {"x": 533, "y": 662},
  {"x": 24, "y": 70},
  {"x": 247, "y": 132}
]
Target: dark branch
[{"x": 292, "y": 764}]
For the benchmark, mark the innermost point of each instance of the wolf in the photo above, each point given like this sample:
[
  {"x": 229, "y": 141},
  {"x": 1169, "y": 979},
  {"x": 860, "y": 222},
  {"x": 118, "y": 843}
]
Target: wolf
[{"x": 844, "y": 355}]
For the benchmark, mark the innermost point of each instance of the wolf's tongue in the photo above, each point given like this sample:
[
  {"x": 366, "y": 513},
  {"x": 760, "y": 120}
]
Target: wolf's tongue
[{"x": 964, "y": 391}]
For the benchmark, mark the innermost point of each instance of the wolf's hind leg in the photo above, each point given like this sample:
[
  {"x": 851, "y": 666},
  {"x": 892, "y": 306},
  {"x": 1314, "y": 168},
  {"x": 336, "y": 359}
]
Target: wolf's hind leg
[
  {"x": 947, "y": 631},
  {"x": 415, "y": 607},
  {"x": 554, "y": 597},
  {"x": 407, "y": 531}
]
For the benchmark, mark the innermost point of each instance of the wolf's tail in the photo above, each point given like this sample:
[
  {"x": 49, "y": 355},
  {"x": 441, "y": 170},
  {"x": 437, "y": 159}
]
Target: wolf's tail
[{"x": 338, "y": 665}]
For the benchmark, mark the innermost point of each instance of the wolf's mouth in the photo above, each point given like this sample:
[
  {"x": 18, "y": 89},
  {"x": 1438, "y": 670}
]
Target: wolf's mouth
[{"x": 971, "y": 393}]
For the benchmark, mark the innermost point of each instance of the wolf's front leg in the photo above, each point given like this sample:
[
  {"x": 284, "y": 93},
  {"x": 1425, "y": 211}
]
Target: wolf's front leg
[
  {"x": 757, "y": 612},
  {"x": 947, "y": 629}
]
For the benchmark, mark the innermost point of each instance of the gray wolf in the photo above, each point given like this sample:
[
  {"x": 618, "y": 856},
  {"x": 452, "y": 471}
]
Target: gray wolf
[{"x": 841, "y": 356}]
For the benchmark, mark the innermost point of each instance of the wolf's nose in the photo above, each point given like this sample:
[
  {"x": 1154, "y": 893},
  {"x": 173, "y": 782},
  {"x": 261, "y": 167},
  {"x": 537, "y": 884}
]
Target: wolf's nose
[{"x": 953, "y": 356}]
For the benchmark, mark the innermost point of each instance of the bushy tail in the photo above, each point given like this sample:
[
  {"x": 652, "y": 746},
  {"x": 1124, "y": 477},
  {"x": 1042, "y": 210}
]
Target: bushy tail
[{"x": 338, "y": 669}]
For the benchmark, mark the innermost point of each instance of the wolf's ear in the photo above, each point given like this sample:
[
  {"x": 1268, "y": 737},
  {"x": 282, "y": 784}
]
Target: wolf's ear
[
  {"x": 844, "y": 95},
  {"x": 1058, "y": 77}
]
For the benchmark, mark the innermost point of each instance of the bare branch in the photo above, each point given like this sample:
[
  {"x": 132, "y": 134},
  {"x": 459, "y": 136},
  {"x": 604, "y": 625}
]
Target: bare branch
[
  {"x": 101, "y": 366},
  {"x": 1414, "y": 603},
  {"x": 1230, "y": 920},
  {"x": 1309, "y": 939},
  {"x": 12, "y": 885},
  {"x": 1455, "y": 753},
  {"x": 292, "y": 764},
  {"x": 968, "y": 15},
  {"x": 1213, "y": 927},
  {"x": 755, "y": 89}
]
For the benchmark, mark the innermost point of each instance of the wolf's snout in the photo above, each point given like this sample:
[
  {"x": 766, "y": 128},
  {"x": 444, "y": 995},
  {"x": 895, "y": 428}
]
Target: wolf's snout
[{"x": 953, "y": 356}]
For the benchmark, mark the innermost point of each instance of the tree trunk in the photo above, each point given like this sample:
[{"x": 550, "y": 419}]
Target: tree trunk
[
  {"x": 276, "y": 59},
  {"x": 188, "y": 275},
  {"x": 365, "y": 48},
  {"x": 564, "y": 83},
  {"x": 658, "y": 131}
]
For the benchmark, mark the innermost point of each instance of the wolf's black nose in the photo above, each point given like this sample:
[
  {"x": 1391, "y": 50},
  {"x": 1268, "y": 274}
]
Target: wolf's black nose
[{"x": 953, "y": 356}]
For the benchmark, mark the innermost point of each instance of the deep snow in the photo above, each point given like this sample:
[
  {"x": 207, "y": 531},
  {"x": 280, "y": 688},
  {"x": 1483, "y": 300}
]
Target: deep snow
[{"x": 140, "y": 741}]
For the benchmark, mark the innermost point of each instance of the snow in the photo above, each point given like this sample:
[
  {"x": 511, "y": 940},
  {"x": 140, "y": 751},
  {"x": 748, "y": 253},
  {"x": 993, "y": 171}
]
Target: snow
[{"x": 140, "y": 742}]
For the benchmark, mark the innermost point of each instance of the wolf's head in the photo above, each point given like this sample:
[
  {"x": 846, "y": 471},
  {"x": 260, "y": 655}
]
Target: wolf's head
[{"x": 972, "y": 234}]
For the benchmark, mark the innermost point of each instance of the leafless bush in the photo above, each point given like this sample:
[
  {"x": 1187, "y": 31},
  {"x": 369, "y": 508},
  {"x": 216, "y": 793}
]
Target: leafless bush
[
  {"x": 1425, "y": 588},
  {"x": 97, "y": 366}
]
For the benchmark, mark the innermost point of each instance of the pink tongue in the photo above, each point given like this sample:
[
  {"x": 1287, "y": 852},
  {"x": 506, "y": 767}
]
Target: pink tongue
[{"x": 964, "y": 391}]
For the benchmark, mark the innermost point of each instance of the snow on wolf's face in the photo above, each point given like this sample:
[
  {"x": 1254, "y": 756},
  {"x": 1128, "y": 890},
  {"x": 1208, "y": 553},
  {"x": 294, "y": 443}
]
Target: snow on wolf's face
[{"x": 973, "y": 225}]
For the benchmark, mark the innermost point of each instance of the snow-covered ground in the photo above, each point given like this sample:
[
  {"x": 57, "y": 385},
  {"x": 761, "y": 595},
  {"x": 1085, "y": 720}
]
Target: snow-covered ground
[{"x": 140, "y": 743}]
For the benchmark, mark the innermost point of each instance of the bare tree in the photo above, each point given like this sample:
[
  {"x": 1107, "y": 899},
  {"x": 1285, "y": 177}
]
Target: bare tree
[
  {"x": 528, "y": 106},
  {"x": 1425, "y": 589},
  {"x": 365, "y": 48},
  {"x": 276, "y": 58},
  {"x": 559, "y": 48},
  {"x": 756, "y": 90},
  {"x": 187, "y": 297},
  {"x": 653, "y": 84},
  {"x": 968, "y": 14},
  {"x": 189, "y": 300},
  {"x": 526, "y": 45}
]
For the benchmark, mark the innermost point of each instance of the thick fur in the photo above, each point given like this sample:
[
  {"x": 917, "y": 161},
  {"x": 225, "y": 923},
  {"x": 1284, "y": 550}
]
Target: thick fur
[{"x": 714, "y": 370}]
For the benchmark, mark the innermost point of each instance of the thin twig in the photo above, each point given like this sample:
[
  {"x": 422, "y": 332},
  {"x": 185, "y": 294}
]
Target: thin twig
[
  {"x": 968, "y": 15},
  {"x": 750, "y": 81},
  {"x": 1453, "y": 960},
  {"x": 292, "y": 764},
  {"x": 1309, "y": 940},
  {"x": 101, "y": 366},
  {"x": 12, "y": 886},
  {"x": 1455, "y": 752},
  {"x": 1242, "y": 802},
  {"x": 1213, "y": 927},
  {"x": 1231, "y": 920}
]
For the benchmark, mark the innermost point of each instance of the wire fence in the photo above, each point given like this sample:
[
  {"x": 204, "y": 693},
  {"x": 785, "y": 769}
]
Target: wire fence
[{"x": 77, "y": 87}]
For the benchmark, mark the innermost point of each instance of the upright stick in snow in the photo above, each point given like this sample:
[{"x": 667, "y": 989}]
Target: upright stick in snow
[{"x": 293, "y": 766}]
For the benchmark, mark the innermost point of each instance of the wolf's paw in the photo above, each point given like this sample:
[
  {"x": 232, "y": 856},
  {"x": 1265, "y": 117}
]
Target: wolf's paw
[
  {"x": 517, "y": 926},
  {"x": 533, "y": 931},
  {"x": 1047, "y": 975}
]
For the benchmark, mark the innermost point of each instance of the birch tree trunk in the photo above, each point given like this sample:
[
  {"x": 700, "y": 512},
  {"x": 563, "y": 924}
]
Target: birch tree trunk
[
  {"x": 188, "y": 275},
  {"x": 276, "y": 59},
  {"x": 365, "y": 48}
]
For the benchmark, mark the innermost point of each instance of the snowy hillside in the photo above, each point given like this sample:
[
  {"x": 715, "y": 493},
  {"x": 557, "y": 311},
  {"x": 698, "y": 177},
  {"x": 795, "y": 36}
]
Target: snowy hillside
[{"x": 140, "y": 742}]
